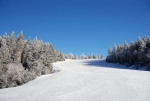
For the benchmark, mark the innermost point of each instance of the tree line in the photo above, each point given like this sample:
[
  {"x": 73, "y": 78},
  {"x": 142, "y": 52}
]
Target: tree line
[
  {"x": 83, "y": 56},
  {"x": 136, "y": 53},
  {"x": 23, "y": 60}
]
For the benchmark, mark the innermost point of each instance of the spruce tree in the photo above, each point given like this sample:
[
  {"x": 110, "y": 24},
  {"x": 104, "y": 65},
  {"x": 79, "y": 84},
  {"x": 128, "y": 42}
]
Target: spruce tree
[
  {"x": 4, "y": 51},
  {"x": 12, "y": 45},
  {"x": 82, "y": 56},
  {"x": 25, "y": 53},
  {"x": 19, "y": 47}
]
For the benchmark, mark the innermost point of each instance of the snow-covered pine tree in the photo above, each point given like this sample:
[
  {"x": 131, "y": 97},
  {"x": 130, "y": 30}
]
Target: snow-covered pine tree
[
  {"x": 12, "y": 46},
  {"x": 91, "y": 56},
  {"x": 114, "y": 48},
  {"x": 82, "y": 56},
  {"x": 141, "y": 44},
  {"x": 25, "y": 54},
  {"x": 145, "y": 39},
  {"x": 51, "y": 51},
  {"x": 108, "y": 59},
  {"x": 62, "y": 56},
  {"x": 4, "y": 53},
  {"x": 125, "y": 54},
  {"x": 114, "y": 53},
  {"x": 70, "y": 56},
  {"x": 141, "y": 51},
  {"x": 76, "y": 56},
  {"x": 5, "y": 50},
  {"x": 109, "y": 51},
  {"x": 19, "y": 47}
]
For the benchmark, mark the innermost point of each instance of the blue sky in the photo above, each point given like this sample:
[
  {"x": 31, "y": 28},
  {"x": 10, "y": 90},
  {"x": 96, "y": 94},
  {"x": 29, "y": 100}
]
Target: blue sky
[{"x": 77, "y": 26}]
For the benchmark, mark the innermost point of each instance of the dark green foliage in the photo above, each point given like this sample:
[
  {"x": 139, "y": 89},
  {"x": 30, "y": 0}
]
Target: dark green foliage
[{"x": 137, "y": 53}]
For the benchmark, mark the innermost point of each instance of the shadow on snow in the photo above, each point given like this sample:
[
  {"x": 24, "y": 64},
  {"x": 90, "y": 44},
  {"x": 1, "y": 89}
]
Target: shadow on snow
[{"x": 104, "y": 64}]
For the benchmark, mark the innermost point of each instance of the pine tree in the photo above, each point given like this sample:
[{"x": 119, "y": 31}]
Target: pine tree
[
  {"x": 25, "y": 53},
  {"x": 114, "y": 53},
  {"x": 141, "y": 51},
  {"x": 144, "y": 39},
  {"x": 19, "y": 47},
  {"x": 91, "y": 56},
  {"x": 4, "y": 54},
  {"x": 132, "y": 46},
  {"x": 114, "y": 48},
  {"x": 125, "y": 46},
  {"x": 141, "y": 44},
  {"x": 109, "y": 51},
  {"x": 4, "y": 51},
  {"x": 12, "y": 45},
  {"x": 70, "y": 56},
  {"x": 62, "y": 56},
  {"x": 82, "y": 56},
  {"x": 76, "y": 56}
]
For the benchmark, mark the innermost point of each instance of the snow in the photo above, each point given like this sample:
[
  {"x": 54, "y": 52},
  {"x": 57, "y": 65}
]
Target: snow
[{"x": 84, "y": 80}]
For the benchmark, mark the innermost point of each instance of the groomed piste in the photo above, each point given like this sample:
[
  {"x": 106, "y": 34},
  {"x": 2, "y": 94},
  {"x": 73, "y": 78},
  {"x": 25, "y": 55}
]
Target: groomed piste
[{"x": 84, "y": 80}]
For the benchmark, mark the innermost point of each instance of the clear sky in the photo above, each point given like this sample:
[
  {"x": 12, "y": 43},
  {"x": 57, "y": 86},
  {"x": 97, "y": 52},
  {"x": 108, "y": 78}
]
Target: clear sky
[{"x": 77, "y": 26}]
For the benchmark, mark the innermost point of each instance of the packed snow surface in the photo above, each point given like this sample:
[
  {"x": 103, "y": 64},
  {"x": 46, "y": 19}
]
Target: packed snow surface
[{"x": 84, "y": 80}]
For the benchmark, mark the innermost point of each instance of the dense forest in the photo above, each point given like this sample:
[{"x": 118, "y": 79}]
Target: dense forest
[
  {"x": 136, "y": 53},
  {"x": 23, "y": 60}
]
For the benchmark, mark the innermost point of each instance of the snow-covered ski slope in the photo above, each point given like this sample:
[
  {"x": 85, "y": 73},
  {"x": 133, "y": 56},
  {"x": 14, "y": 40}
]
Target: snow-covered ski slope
[{"x": 84, "y": 80}]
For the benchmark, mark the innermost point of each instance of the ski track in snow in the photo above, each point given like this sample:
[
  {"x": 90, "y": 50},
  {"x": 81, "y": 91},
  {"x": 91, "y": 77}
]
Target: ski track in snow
[{"x": 84, "y": 80}]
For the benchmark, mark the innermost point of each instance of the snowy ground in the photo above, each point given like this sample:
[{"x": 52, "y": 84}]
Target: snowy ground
[{"x": 84, "y": 80}]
